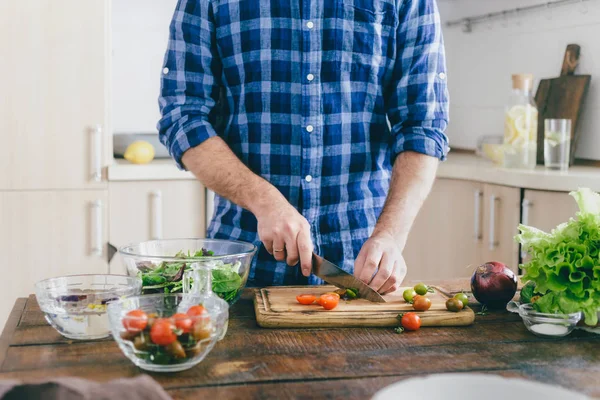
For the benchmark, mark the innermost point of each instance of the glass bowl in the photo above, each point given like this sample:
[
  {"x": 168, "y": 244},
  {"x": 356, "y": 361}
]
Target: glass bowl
[
  {"x": 75, "y": 305},
  {"x": 161, "y": 264},
  {"x": 161, "y": 341},
  {"x": 544, "y": 324}
]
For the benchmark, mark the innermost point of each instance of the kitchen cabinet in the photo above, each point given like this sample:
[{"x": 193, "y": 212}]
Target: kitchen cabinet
[
  {"x": 50, "y": 233},
  {"x": 53, "y": 113},
  {"x": 461, "y": 225},
  {"x": 145, "y": 210},
  {"x": 545, "y": 210}
]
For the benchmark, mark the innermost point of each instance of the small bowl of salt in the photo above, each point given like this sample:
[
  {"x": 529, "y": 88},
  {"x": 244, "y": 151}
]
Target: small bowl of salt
[{"x": 545, "y": 324}]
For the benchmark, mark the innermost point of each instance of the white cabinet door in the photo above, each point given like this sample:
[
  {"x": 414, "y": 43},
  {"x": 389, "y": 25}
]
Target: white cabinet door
[
  {"x": 501, "y": 221},
  {"x": 48, "y": 233},
  {"x": 147, "y": 210},
  {"x": 446, "y": 238},
  {"x": 53, "y": 93},
  {"x": 545, "y": 210}
]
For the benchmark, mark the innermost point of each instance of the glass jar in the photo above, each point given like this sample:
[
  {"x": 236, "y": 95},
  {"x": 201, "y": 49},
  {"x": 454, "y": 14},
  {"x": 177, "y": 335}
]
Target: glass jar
[{"x": 520, "y": 125}]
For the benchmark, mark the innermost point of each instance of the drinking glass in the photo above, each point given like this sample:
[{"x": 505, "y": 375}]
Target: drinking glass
[{"x": 557, "y": 143}]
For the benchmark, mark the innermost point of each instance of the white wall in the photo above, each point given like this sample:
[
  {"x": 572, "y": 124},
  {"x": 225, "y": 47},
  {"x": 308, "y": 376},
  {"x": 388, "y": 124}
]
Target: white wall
[
  {"x": 140, "y": 31},
  {"x": 480, "y": 63}
]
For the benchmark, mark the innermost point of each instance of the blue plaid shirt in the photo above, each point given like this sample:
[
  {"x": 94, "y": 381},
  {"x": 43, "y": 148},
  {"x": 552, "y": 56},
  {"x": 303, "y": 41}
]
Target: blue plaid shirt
[{"x": 306, "y": 88}]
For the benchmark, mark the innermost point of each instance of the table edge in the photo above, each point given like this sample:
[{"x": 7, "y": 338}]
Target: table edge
[{"x": 11, "y": 326}]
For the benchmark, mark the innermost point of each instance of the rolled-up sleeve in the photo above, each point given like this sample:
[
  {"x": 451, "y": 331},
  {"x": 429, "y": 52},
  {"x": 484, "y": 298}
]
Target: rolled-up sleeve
[
  {"x": 418, "y": 95},
  {"x": 189, "y": 81}
]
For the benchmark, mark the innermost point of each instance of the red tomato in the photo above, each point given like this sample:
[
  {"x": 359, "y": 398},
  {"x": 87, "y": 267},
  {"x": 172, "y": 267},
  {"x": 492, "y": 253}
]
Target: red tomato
[
  {"x": 183, "y": 322},
  {"x": 135, "y": 321},
  {"x": 318, "y": 301},
  {"x": 421, "y": 303},
  {"x": 333, "y": 294},
  {"x": 329, "y": 302},
  {"x": 306, "y": 299},
  {"x": 411, "y": 321},
  {"x": 196, "y": 311},
  {"x": 162, "y": 333}
]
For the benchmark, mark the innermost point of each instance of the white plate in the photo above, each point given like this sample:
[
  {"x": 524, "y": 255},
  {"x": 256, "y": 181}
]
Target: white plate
[{"x": 474, "y": 387}]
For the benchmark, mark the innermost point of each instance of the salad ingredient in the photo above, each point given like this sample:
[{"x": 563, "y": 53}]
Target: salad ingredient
[
  {"x": 411, "y": 321},
  {"x": 167, "y": 276},
  {"x": 423, "y": 289},
  {"x": 549, "y": 329},
  {"x": 483, "y": 312},
  {"x": 202, "y": 329},
  {"x": 142, "y": 342},
  {"x": 196, "y": 311},
  {"x": 493, "y": 284},
  {"x": 409, "y": 295},
  {"x": 306, "y": 299},
  {"x": 348, "y": 294},
  {"x": 176, "y": 349},
  {"x": 564, "y": 263},
  {"x": 135, "y": 321},
  {"x": 454, "y": 305},
  {"x": 183, "y": 322},
  {"x": 421, "y": 303},
  {"x": 333, "y": 294},
  {"x": 463, "y": 298},
  {"x": 527, "y": 292},
  {"x": 162, "y": 332},
  {"x": 329, "y": 302}
]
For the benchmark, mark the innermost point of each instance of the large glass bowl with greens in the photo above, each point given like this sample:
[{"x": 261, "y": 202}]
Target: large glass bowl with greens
[{"x": 161, "y": 264}]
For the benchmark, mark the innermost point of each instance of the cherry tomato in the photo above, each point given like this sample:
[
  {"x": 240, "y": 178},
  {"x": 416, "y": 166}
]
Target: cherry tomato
[
  {"x": 183, "y": 322},
  {"x": 463, "y": 298},
  {"x": 334, "y": 294},
  {"x": 306, "y": 299},
  {"x": 196, "y": 311},
  {"x": 411, "y": 321},
  {"x": 454, "y": 305},
  {"x": 421, "y": 303},
  {"x": 318, "y": 301},
  {"x": 203, "y": 329},
  {"x": 135, "y": 321},
  {"x": 421, "y": 289},
  {"x": 408, "y": 295},
  {"x": 329, "y": 302},
  {"x": 176, "y": 349},
  {"x": 162, "y": 332}
]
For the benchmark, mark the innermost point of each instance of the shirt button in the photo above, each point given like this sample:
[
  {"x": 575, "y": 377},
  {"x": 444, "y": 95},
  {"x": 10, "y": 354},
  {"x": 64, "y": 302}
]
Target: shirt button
[
  {"x": 310, "y": 25},
  {"x": 308, "y": 178},
  {"x": 310, "y": 77},
  {"x": 165, "y": 70},
  {"x": 310, "y": 128},
  {"x": 442, "y": 75}
]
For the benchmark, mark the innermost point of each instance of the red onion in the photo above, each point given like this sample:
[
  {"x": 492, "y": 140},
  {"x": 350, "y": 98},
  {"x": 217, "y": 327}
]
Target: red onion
[{"x": 494, "y": 284}]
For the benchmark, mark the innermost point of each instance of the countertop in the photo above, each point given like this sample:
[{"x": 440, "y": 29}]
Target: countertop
[
  {"x": 458, "y": 166},
  {"x": 345, "y": 363}
]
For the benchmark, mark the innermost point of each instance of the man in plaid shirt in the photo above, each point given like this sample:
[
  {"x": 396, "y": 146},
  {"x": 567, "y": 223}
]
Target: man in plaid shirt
[{"x": 334, "y": 114}]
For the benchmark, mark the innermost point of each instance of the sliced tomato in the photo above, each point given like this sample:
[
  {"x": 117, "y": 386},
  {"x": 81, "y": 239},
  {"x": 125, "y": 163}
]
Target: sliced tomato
[
  {"x": 329, "y": 302},
  {"x": 306, "y": 299},
  {"x": 334, "y": 294},
  {"x": 318, "y": 301}
]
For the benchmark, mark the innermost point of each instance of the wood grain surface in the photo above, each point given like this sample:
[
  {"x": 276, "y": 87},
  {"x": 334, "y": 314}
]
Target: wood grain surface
[{"x": 350, "y": 363}]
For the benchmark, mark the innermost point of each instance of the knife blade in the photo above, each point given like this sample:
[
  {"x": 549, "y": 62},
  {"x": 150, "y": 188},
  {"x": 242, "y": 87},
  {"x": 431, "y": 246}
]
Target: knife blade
[{"x": 334, "y": 275}]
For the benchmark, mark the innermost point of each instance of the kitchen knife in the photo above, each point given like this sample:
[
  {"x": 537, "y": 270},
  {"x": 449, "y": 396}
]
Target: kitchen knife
[{"x": 334, "y": 275}]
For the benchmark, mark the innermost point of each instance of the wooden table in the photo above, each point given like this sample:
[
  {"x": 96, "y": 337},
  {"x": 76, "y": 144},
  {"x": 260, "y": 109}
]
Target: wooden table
[{"x": 252, "y": 362}]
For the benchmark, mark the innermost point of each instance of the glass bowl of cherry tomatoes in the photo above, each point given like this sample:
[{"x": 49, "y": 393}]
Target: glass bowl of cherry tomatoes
[{"x": 168, "y": 332}]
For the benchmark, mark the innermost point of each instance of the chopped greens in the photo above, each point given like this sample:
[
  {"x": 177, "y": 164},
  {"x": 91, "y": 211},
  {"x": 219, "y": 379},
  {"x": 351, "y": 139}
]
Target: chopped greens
[
  {"x": 565, "y": 263},
  {"x": 167, "y": 276}
]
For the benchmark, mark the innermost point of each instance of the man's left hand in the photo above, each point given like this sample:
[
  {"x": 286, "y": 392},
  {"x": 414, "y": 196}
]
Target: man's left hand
[{"x": 380, "y": 263}]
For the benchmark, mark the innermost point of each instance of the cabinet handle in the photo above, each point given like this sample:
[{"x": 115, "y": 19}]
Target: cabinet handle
[
  {"x": 97, "y": 154},
  {"x": 96, "y": 247},
  {"x": 525, "y": 220},
  {"x": 493, "y": 242},
  {"x": 477, "y": 230},
  {"x": 157, "y": 222}
]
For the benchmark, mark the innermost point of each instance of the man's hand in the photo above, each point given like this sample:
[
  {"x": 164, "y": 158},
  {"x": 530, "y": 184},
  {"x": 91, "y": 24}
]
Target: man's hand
[
  {"x": 286, "y": 235},
  {"x": 380, "y": 263}
]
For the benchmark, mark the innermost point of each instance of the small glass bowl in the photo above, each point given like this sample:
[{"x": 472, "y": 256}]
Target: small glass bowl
[
  {"x": 190, "y": 347},
  {"x": 75, "y": 305},
  {"x": 544, "y": 324}
]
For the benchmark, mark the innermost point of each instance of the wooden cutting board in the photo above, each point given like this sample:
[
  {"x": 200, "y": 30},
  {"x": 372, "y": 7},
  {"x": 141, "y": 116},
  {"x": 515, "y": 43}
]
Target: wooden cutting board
[
  {"x": 276, "y": 307},
  {"x": 562, "y": 97}
]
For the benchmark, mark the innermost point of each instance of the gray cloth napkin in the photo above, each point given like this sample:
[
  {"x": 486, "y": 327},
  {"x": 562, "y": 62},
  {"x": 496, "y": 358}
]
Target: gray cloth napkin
[{"x": 142, "y": 387}]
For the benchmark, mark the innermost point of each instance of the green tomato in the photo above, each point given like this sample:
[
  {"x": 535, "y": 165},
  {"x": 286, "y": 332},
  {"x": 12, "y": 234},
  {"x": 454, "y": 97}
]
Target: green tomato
[
  {"x": 462, "y": 297},
  {"x": 408, "y": 295},
  {"x": 454, "y": 305},
  {"x": 421, "y": 289}
]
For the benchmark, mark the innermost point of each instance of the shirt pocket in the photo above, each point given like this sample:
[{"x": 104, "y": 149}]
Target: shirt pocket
[{"x": 364, "y": 32}]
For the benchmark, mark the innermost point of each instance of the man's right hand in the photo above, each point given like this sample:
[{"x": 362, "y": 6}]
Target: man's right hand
[{"x": 286, "y": 234}]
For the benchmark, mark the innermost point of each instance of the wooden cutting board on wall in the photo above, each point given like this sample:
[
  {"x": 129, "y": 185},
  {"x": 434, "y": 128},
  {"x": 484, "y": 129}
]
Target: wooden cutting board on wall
[
  {"x": 276, "y": 307},
  {"x": 562, "y": 97}
]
